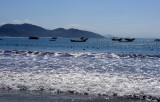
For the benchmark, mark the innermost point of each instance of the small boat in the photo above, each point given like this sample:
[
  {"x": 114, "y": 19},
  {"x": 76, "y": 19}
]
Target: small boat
[
  {"x": 54, "y": 38},
  {"x": 33, "y": 37},
  {"x": 123, "y": 39},
  {"x": 116, "y": 39},
  {"x": 1, "y": 39},
  {"x": 130, "y": 39},
  {"x": 81, "y": 40},
  {"x": 157, "y": 40}
]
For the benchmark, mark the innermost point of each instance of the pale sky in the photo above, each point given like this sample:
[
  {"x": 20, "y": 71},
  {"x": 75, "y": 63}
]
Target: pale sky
[{"x": 128, "y": 18}]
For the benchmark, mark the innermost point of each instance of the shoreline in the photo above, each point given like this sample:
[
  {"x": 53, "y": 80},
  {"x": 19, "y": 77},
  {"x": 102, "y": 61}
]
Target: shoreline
[{"x": 39, "y": 96}]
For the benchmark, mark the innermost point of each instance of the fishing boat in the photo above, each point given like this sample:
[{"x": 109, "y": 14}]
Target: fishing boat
[
  {"x": 116, "y": 39},
  {"x": 82, "y": 39},
  {"x": 33, "y": 37},
  {"x": 157, "y": 40},
  {"x": 130, "y": 39},
  {"x": 54, "y": 38},
  {"x": 123, "y": 39}
]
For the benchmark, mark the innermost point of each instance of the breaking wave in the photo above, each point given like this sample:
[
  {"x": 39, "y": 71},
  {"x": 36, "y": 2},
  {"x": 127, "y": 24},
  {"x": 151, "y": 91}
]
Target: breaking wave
[
  {"x": 134, "y": 75},
  {"x": 87, "y": 54}
]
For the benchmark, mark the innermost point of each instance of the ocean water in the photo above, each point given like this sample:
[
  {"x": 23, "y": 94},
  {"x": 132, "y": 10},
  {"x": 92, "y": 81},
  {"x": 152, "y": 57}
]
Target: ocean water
[
  {"x": 139, "y": 46},
  {"x": 96, "y": 70}
]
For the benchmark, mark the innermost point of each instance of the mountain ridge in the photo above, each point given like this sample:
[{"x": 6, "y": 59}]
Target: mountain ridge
[{"x": 27, "y": 30}]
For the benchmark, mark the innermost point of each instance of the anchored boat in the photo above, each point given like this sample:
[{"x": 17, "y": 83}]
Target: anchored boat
[{"x": 82, "y": 39}]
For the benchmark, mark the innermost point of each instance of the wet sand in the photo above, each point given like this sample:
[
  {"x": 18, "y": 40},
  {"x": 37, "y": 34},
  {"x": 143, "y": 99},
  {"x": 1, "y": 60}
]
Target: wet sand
[{"x": 27, "y": 96}]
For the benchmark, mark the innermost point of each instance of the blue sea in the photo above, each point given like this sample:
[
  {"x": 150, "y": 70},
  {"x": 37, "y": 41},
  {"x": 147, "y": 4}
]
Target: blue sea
[{"x": 98, "y": 70}]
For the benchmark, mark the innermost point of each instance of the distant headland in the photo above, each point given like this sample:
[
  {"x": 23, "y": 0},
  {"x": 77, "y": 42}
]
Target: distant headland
[{"x": 26, "y": 30}]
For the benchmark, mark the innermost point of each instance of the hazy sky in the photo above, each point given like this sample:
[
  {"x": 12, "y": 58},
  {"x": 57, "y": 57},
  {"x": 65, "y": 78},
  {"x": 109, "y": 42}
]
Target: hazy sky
[{"x": 128, "y": 18}]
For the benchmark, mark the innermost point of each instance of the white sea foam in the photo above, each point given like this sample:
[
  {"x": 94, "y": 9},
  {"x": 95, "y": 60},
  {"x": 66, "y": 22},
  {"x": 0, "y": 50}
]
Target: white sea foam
[
  {"x": 92, "y": 83},
  {"x": 85, "y": 73}
]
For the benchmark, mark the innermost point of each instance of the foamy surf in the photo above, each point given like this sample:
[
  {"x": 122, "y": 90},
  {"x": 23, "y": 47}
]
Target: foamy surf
[{"x": 120, "y": 75}]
